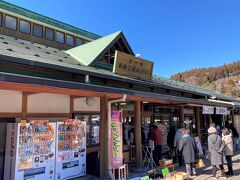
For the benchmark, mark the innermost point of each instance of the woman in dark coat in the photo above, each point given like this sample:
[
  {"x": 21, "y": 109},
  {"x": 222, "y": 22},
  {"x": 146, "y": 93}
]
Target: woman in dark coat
[
  {"x": 187, "y": 147},
  {"x": 215, "y": 148},
  {"x": 170, "y": 139}
]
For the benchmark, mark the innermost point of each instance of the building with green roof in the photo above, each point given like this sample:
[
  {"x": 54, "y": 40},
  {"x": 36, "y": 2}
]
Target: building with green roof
[{"x": 53, "y": 71}]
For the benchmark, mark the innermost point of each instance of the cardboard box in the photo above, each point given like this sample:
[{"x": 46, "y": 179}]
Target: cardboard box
[
  {"x": 199, "y": 164},
  {"x": 181, "y": 176},
  {"x": 165, "y": 162}
]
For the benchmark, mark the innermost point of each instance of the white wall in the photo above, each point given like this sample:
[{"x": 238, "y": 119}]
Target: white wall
[
  {"x": 48, "y": 103},
  {"x": 10, "y": 101},
  {"x": 81, "y": 105}
]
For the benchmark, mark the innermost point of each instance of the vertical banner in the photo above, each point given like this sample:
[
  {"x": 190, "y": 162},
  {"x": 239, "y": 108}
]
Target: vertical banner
[{"x": 116, "y": 139}]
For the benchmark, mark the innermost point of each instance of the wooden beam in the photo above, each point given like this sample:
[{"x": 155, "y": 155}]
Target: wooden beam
[
  {"x": 47, "y": 115},
  {"x": 181, "y": 116},
  {"x": 24, "y": 105},
  {"x": 197, "y": 121},
  {"x": 103, "y": 137},
  {"x": 138, "y": 134},
  {"x": 10, "y": 115}
]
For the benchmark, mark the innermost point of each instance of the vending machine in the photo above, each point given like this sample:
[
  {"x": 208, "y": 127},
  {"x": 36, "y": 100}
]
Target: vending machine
[
  {"x": 70, "y": 149},
  {"x": 30, "y": 151}
]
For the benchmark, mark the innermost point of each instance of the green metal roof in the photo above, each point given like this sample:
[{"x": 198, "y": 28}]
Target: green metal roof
[
  {"x": 86, "y": 54},
  {"x": 30, "y": 14}
]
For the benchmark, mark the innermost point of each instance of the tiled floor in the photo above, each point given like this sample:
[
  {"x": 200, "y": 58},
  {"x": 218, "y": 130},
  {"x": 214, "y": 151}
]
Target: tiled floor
[{"x": 203, "y": 174}]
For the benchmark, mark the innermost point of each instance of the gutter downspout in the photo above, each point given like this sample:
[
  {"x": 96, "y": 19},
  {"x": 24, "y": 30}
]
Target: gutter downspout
[
  {"x": 109, "y": 131},
  {"x": 219, "y": 101}
]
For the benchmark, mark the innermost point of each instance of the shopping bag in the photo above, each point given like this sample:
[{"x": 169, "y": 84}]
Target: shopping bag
[
  {"x": 199, "y": 163},
  {"x": 208, "y": 155}
]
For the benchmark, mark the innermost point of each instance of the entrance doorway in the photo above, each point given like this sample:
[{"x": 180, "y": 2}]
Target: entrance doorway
[{"x": 3, "y": 135}]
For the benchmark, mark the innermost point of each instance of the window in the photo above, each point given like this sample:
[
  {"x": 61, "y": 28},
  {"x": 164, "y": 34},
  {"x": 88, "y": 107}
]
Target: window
[
  {"x": 79, "y": 42},
  {"x": 60, "y": 37},
  {"x": 1, "y": 16},
  {"x": 92, "y": 128},
  {"x": 49, "y": 34},
  {"x": 11, "y": 22},
  {"x": 38, "y": 30},
  {"x": 25, "y": 27},
  {"x": 70, "y": 40},
  {"x": 85, "y": 41}
]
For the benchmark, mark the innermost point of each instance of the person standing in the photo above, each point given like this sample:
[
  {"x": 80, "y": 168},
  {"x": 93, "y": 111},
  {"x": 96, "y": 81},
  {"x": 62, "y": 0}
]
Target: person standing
[
  {"x": 187, "y": 146},
  {"x": 170, "y": 139},
  {"x": 235, "y": 136},
  {"x": 215, "y": 148},
  {"x": 177, "y": 139},
  {"x": 228, "y": 149},
  {"x": 156, "y": 136}
]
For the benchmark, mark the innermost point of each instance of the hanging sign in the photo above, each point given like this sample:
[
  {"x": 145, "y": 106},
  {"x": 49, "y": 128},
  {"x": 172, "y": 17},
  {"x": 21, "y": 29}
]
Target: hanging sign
[
  {"x": 128, "y": 65},
  {"x": 208, "y": 110},
  {"x": 116, "y": 139},
  {"x": 221, "y": 110}
]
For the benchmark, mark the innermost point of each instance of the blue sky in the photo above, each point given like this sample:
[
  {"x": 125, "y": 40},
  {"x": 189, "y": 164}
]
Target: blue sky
[{"x": 177, "y": 35}]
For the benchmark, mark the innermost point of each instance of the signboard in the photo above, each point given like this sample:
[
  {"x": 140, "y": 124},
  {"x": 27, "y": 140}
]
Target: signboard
[
  {"x": 116, "y": 139},
  {"x": 128, "y": 65},
  {"x": 221, "y": 110},
  {"x": 208, "y": 110}
]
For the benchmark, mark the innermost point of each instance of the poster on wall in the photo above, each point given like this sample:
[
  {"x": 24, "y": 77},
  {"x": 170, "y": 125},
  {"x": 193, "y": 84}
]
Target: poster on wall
[{"x": 116, "y": 139}]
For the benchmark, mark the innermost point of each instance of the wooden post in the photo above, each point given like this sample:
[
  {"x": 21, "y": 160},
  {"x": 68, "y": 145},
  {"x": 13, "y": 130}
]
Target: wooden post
[
  {"x": 210, "y": 119},
  {"x": 103, "y": 137},
  {"x": 71, "y": 107},
  {"x": 181, "y": 116},
  {"x": 197, "y": 121},
  {"x": 232, "y": 114},
  {"x": 138, "y": 137},
  {"x": 24, "y": 105}
]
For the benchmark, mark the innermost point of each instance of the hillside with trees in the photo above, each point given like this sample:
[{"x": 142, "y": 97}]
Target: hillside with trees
[{"x": 224, "y": 79}]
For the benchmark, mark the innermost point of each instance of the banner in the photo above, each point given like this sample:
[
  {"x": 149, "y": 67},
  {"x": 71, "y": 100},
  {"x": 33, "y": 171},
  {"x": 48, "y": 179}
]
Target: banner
[
  {"x": 116, "y": 139},
  {"x": 208, "y": 110},
  {"x": 221, "y": 110}
]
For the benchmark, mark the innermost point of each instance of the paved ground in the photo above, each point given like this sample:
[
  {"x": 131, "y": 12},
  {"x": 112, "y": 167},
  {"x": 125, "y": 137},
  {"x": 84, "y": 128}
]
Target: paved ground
[{"x": 203, "y": 174}]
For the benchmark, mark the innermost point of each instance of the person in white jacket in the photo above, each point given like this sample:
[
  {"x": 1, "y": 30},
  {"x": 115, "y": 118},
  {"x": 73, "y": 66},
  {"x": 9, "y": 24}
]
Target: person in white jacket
[{"x": 228, "y": 149}]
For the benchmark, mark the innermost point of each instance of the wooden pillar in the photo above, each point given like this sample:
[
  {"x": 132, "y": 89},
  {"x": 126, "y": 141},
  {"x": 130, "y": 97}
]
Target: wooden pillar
[
  {"x": 71, "y": 107},
  {"x": 103, "y": 137},
  {"x": 24, "y": 105},
  {"x": 210, "y": 119},
  {"x": 197, "y": 121},
  {"x": 138, "y": 137},
  {"x": 181, "y": 116},
  {"x": 232, "y": 115}
]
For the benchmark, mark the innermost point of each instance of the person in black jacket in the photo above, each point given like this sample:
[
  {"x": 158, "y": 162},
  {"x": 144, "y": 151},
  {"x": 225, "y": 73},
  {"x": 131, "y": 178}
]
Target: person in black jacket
[
  {"x": 170, "y": 139},
  {"x": 235, "y": 136}
]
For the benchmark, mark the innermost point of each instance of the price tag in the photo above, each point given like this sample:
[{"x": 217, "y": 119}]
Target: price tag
[{"x": 23, "y": 122}]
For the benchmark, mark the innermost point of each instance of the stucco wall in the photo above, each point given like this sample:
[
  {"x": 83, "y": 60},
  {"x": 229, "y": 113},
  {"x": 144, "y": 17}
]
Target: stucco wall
[{"x": 10, "y": 101}]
